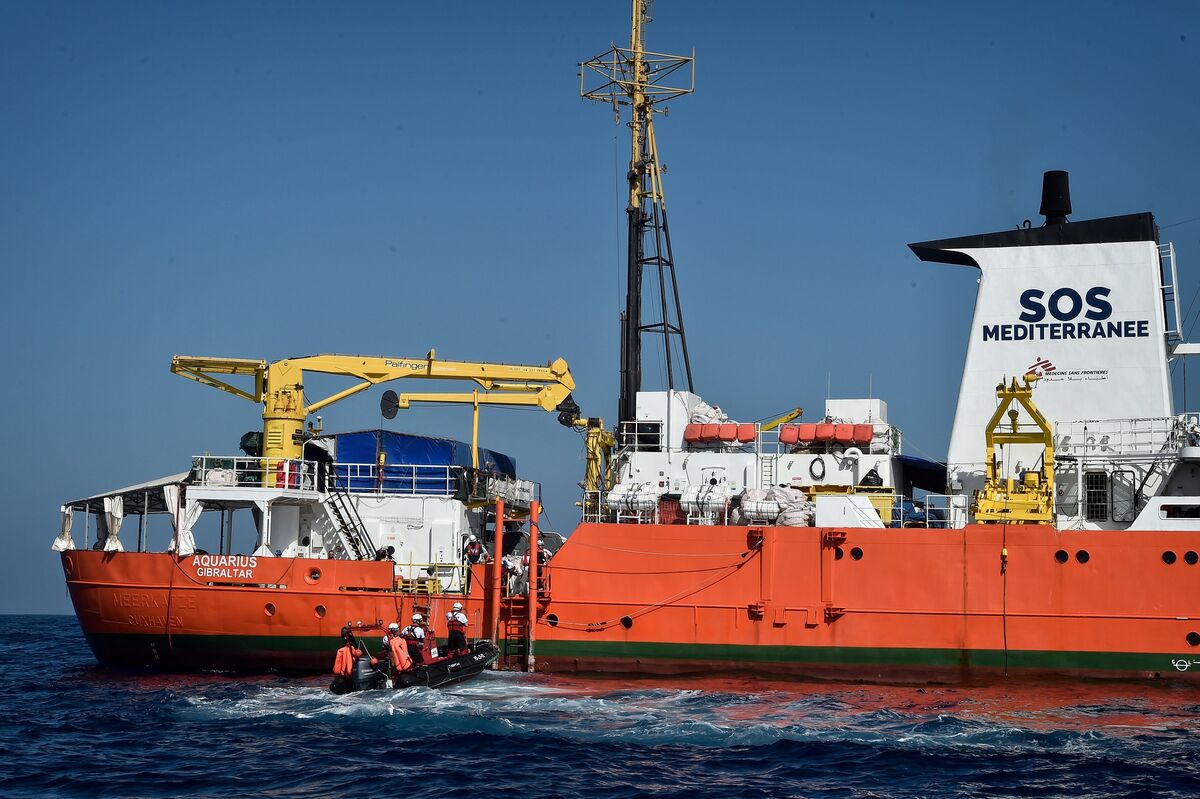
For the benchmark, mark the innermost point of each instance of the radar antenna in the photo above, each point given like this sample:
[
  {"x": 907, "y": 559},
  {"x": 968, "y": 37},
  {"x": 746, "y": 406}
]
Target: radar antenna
[{"x": 637, "y": 78}]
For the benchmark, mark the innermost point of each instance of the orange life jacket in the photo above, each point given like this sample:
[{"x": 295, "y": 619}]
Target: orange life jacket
[
  {"x": 453, "y": 624},
  {"x": 400, "y": 658},
  {"x": 343, "y": 664}
]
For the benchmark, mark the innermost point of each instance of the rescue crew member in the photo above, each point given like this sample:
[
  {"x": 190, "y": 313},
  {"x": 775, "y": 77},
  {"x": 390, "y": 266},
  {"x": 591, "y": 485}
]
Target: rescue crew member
[
  {"x": 512, "y": 568},
  {"x": 397, "y": 648},
  {"x": 543, "y": 558},
  {"x": 543, "y": 555},
  {"x": 456, "y": 626},
  {"x": 473, "y": 552},
  {"x": 414, "y": 639},
  {"x": 343, "y": 663}
]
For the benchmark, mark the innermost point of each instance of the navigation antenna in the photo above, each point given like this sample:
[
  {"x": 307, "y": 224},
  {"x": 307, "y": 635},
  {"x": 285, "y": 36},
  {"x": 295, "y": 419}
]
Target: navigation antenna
[{"x": 637, "y": 78}]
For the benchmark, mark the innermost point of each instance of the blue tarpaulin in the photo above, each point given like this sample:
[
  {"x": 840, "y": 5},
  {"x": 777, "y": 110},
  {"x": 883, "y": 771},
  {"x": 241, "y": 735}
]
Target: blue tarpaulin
[
  {"x": 404, "y": 455},
  {"x": 921, "y": 473}
]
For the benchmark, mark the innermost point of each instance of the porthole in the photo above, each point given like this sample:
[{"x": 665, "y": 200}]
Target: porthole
[
  {"x": 1082, "y": 556},
  {"x": 552, "y": 620},
  {"x": 838, "y": 553},
  {"x": 319, "y": 611},
  {"x": 68, "y": 565},
  {"x": 1191, "y": 558},
  {"x": 313, "y": 576},
  {"x": 626, "y": 622},
  {"x": 1061, "y": 556},
  {"x": 1168, "y": 557},
  {"x": 269, "y": 609},
  {"x": 1193, "y": 638},
  {"x": 856, "y": 553}
]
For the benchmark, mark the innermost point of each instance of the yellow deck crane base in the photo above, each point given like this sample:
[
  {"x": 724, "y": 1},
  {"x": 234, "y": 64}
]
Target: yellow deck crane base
[{"x": 1028, "y": 498}]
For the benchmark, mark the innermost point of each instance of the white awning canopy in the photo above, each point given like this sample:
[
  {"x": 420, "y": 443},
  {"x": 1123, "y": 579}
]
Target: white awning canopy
[{"x": 141, "y": 498}]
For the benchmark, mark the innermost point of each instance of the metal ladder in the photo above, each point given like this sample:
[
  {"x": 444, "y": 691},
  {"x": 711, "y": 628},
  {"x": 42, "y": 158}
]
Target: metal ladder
[
  {"x": 351, "y": 541},
  {"x": 514, "y": 645},
  {"x": 766, "y": 470}
]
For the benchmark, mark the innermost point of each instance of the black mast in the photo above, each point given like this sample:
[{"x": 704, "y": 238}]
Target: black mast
[{"x": 633, "y": 77}]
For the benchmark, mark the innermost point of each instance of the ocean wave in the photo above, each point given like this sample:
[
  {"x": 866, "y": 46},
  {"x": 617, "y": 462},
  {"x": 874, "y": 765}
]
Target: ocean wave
[{"x": 75, "y": 730}]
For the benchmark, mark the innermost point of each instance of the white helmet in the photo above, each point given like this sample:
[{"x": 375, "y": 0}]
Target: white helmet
[
  {"x": 394, "y": 627},
  {"x": 417, "y": 617},
  {"x": 472, "y": 538},
  {"x": 456, "y": 606}
]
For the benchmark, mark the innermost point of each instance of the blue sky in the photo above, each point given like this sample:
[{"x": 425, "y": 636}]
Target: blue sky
[{"x": 281, "y": 179}]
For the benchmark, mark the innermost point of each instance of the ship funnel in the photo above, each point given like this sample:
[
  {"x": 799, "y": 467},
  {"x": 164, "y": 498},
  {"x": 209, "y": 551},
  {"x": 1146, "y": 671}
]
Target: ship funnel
[{"x": 1056, "y": 197}]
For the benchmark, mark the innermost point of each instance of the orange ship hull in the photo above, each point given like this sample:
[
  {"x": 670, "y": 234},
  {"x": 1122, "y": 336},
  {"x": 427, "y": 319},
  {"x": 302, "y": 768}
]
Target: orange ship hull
[
  {"x": 874, "y": 603},
  {"x": 881, "y": 604},
  {"x": 153, "y": 609}
]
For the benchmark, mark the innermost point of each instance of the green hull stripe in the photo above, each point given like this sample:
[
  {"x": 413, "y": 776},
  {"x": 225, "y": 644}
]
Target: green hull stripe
[
  {"x": 873, "y": 656},
  {"x": 230, "y": 646}
]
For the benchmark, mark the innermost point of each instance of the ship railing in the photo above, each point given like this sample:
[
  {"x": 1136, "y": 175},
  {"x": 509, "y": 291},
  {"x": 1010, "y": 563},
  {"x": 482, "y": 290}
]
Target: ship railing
[
  {"x": 431, "y": 578},
  {"x": 252, "y": 472},
  {"x": 882, "y": 443},
  {"x": 353, "y": 478},
  {"x": 399, "y": 478},
  {"x": 942, "y": 511},
  {"x": 640, "y": 436},
  {"x": 931, "y": 511},
  {"x": 1114, "y": 439},
  {"x": 592, "y": 507},
  {"x": 649, "y": 435}
]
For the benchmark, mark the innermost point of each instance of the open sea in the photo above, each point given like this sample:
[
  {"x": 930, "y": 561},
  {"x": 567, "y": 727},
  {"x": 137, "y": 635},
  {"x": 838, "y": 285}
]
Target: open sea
[{"x": 71, "y": 729}]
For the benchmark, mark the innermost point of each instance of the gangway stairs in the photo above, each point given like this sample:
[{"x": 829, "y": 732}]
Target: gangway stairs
[
  {"x": 350, "y": 539},
  {"x": 1159, "y": 471}
]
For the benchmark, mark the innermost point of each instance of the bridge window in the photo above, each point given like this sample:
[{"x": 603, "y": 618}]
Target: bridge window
[
  {"x": 1181, "y": 511},
  {"x": 1095, "y": 496}
]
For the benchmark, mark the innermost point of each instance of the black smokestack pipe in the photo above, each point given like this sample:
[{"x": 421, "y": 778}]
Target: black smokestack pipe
[{"x": 1056, "y": 197}]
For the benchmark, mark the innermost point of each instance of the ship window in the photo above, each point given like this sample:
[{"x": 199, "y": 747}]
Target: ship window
[
  {"x": 1095, "y": 496},
  {"x": 1124, "y": 490},
  {"x": 1181, "y": 511}
]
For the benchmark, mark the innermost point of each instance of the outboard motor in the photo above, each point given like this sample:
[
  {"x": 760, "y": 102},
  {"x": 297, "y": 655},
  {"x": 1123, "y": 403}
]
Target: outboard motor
[{"x": 366, "y": 677}]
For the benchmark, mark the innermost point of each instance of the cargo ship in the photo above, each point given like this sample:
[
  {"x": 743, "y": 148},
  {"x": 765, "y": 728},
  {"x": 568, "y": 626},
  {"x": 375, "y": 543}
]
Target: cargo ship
[{"x": 1060, "y": 536}]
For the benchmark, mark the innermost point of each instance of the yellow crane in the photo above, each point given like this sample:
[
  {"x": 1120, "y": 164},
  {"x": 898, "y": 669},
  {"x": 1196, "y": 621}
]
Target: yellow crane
[
  {"x": 279, "y": 386},
  {"x": 794, "y": 413},
  {"x": 598, "y": 440}
]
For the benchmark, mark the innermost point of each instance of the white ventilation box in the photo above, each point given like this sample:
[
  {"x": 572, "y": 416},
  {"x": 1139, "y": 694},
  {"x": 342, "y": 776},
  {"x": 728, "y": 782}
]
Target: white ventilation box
[{"x": 857, "y": 411}]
